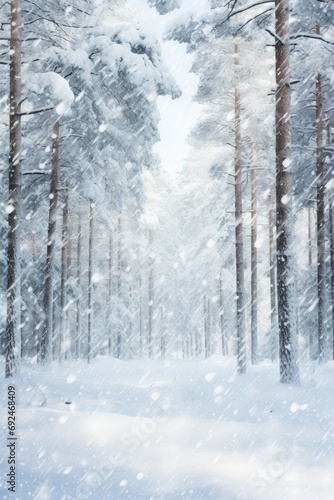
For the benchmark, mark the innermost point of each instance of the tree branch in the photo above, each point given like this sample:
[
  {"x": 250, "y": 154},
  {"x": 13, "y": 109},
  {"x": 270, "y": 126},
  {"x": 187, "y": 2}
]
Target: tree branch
[
  {"x": 34, "y": 112},
  {"x": 310, "y": 35},
  {"x": 274, "y": 35}
]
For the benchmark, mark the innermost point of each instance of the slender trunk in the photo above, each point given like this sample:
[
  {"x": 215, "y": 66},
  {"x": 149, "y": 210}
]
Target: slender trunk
[
  {"x": 129, "y": 339},
  {"x": 288, "y": 349},
  {"x": 140, "y": 319},
  {"x": 150, "y": 297},
  {"x": 309, "y": 224},
  {"x": 222, "y": 316},
  {"x": 68, "y": 342},
  {"x": 331, "y": 243},
  {"x": 273, "y": 309},
  {"x": 90, "y": 284},
  {"x": 78, "y": 304},
  {"x": 119, "y": 284},
  {"x": 206, "y": 328},
  {"x": 34, "y": 247},
  {"x": 331, "y": 233},
  {"x": 45, "y": 351},
  {"x": 162, "y": 333},
  {"x": 209, "y": 327},
  {"x": 241, "y": 335},
  {"x": 14, "y": 194},
  {"x": 109, "y": 296},
  {"x": 63, "y": 282},
  {"x": 320, "y": 220},
  {"x": 254, "y": 339}
]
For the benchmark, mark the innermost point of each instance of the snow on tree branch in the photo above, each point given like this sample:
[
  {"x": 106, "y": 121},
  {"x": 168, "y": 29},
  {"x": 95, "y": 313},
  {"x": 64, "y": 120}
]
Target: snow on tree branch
[{"x": 164, "y": 6}]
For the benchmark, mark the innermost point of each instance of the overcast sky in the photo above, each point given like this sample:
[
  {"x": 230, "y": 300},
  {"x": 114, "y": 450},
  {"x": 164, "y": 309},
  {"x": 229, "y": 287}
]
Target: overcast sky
[{"x": 178, "y": 116}]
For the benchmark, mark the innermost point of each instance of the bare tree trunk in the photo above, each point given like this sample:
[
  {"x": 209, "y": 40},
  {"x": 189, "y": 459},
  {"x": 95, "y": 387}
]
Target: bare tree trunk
[
  {"x": 150, "y": 297},
  {"x": 63, "y": 282},
  {"x": 14, "y": 194},
  {"x": 45, "y": 351},
  {"x": 254, "y": 338},
  {"x": 162, "y": 334},
  {"x": 331, "y": 236},
  {"x": 206, "y": 326},
  {"x": 331, "y": 243},
  {"x": 241, "y": 335},
  {"x": 34, "y": 247},
  {"x": 119, "y": 284},
  {"x": 309, "y": 225},
  {"x": 140, "y": 318},
  {"x": 129, "y": 338},
  {"x": 68, "y": 342},
  {"x": 288, "y": 349},
  {"x": 78, "y": 302},
  {"x": 209, "y": 326},
  {"x": 109, "y": 296},
  {"x": 90, "y": 284},
  {"x": 273, "y": 309},
  {"x": 222, "y": 316},
  {"x": 320, "y": 220}
]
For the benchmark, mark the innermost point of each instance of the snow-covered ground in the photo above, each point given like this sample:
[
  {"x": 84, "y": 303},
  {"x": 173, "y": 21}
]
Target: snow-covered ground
[{"x": 171, "y": 430}]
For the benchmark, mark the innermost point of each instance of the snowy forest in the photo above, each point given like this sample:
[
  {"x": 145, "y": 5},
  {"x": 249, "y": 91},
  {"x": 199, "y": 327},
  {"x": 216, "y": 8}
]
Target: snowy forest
[{"x": 115, "y": 264}]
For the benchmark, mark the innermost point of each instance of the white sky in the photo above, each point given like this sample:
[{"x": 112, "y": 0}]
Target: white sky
[{"x": 178, "y": 116}]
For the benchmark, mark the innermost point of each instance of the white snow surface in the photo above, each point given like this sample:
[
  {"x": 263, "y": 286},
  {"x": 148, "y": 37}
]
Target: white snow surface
[{"x": 177, "y": 429}]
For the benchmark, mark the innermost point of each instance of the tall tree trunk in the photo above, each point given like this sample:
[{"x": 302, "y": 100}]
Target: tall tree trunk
[
  {"x": 150, "y": 297},
  {"x": 45, "y": 351},
  {"x": 273, "y": 308},
  {"x": 209, "y": 326},
  {"x": 68, "y": 342},
  {"x": 140, "y": 318},
  {"x": 14, "y": 194},
  {"x": 320, "y": 220},
  {"x": 331, "y": 242},
  {"x": 34, "y": 247},
  {"x": 254, "y": 338},
  {"x": 241, "y": 335},
  {"x": 162, "y": 334},
  {"x": 63, "y": 282},
  {"x": 109, "y": 296},
  {"x": 288, "y": 348},
  {"x": 206, "y": 326},
  {"x": 90, "y": 285},
  {"x": 222, "y": 316},
  {"x": 78, "y": 302},
  {"x": 309, "y": 225},
  {"x": 119, "y": 285}
]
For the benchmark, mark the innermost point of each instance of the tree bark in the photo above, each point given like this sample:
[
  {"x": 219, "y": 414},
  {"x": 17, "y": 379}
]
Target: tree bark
[
  {"x": 162, "y": 334},
  {"x": 63, "y": 281},
  {"x": 273, "y": 307},
  {"x": 254, "y": 299},
  {"x": 150, "y": 297},
  {"x": 206, "y": 326},
  {"x": 78, "y": 302},
  {"x": 309, "y": 225},
  {"x": 14, "y": 194},
  {"x": 321, "y": 268},
  {"x": 45, "y": 351},
  {"x": 90, "y": 284},
  {"x": 140, "y": 318},
  {"x": 109, "y": 296},
  {"x": 241, "y": 335},
  {"x": 288, "y": 350},
  {"x": 222, "y": 316},
  {"x": 119, "y": 285},
  {"x": 331, "y": 242}
]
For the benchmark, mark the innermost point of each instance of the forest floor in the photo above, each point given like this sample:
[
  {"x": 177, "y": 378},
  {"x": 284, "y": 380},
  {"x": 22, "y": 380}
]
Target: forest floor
[{"x": 170, "y": 430}]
